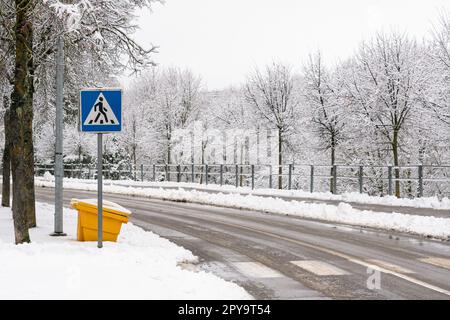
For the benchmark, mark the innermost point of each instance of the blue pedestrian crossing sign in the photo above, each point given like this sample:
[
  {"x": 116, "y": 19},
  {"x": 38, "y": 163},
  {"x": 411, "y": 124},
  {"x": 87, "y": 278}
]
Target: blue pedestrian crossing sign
[{"x": 101, "y": 110}]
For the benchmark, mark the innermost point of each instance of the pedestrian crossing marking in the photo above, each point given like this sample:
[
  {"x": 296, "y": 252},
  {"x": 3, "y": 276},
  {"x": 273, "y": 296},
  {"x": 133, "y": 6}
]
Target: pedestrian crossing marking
[
  {"x": 101, "y": 113},
  {"x": 256, "y": 270},
  {"x": 389, "y": 266},
  {"x": 319, "y": 268},
  {"x": 439, "y": 262}
]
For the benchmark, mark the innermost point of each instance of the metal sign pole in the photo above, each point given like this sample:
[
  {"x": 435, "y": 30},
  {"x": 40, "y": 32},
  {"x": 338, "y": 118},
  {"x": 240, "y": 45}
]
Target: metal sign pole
[
  {"x": 59, "y": 166},
  {"x": 100, "y": 188}
]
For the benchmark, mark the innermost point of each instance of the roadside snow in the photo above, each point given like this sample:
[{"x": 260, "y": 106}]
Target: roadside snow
[
  {"x": 342, "y": 213},
  {"x": 424, "y": 202},
  {"x": 141, "y": 265}
]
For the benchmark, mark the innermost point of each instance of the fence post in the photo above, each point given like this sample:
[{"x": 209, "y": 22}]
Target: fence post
[
  {"x": 420, "y": 173},
  {"x": 131, "y": 172},
  {"x": 361, "y": 172},
  {"x": 290, "y": 177},
  {"x": 154, "y": 173},
  {"x": 178, "y": 173},
  {"x": 334, "y": 179},
  {"x": 89, "y": 171},
  {"x": 253, "y": 176},
  {"x": 221, "y": 174},
  {"x": 142, "y": 172},
  {"x": 270, "y": 176},
  {"x": 390, "y": 180},
  {"x": 311, "y": 180},
  {"x": 167, "y": 172},
  {"x": 206, "y": 174},
  {"x": 192, "y": 173},
  {"x": 237, "y": 175}
]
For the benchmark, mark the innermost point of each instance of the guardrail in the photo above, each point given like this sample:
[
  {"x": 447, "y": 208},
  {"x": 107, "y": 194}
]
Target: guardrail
[{"x": 336, "y": 178}]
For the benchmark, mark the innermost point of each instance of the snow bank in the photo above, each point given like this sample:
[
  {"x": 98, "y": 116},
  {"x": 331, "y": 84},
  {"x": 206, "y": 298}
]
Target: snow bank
[
  {"x": 424, "y": 202},
  {"x": 342, "y": 213},
  {"x": 140, "y": 266}
]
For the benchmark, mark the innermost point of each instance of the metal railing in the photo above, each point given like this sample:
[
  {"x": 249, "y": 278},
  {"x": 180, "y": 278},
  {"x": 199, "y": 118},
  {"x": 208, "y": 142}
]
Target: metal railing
[{"x": 371, "y": 179}]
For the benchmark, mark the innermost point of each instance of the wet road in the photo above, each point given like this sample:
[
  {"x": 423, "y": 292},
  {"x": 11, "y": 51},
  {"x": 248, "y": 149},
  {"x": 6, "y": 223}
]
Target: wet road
[{"x": 284, "y": 257}]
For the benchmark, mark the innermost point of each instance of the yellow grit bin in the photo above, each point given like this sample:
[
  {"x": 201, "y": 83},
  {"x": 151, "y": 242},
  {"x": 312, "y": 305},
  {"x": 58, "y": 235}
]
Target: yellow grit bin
[{"x": 113, "y": 217}]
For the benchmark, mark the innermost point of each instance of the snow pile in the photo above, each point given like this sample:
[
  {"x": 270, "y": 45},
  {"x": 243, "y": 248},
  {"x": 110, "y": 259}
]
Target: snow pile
[
  {"x": 424, "y": 202},
  {"x": 140, "y": 266},
  {"x": 48, "y": 176},
  {"x": 343, "y": 213}
]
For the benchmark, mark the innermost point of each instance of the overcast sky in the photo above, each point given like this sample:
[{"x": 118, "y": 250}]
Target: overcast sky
[{"x": 222, "y": 40}]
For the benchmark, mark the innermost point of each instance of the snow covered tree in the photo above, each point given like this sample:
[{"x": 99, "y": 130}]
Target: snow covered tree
[
  {"x": 270, "y": 92},
  {"x": 386, "y": 83},
  {"x": 97, "y": 39},
  {"x": 438, "y": 95},
  {"x": 323, "y": 95}
]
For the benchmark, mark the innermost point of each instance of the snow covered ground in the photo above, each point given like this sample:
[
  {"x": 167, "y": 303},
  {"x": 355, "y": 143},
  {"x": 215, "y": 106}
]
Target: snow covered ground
[
  {"x": 425, "y": 202},
  {"x": 141, "y": 265},
  {"x": 342, "y": 213}
]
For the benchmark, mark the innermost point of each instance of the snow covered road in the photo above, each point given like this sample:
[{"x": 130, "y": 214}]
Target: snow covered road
[{"x": 275, "y": 256}]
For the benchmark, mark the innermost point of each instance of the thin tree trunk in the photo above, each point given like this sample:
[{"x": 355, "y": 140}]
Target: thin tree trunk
[
  {"x": 241, "y": 177},
  {"x": 134, "y": 146},
  {"x": 6, "y": 187},
  {"x": 258, "y": 143},
  {"x": 169, "y": 141},
  {"x": 333, "y": 150},
  {"x": 202, "y": 160},
  {"x": 396, "y": 163},
  {"x": 280, "y": 160},
  {"x": 224, "y": 148}
]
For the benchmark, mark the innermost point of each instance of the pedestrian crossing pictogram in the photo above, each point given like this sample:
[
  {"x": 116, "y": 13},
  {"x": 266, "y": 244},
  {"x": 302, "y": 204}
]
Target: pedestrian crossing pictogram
[{"x": 101, "y": 113}]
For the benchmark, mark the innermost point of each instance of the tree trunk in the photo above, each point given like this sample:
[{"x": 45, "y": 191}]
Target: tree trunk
[
  {"x": 258, "y": 143},
  {"x": 280, "y": 159},
  {"x": 134, "y": 147},
  {"x": 169, "y": 150},
  {"x": 202, "y": 160},
  {"x": 21, "y": 116},
  {"x": 6, "y": 187},
  {"x": 333, "y": 150},
  {"x": 241, "y": 176},
  {"x": 396, "y": 163},
  {"x": 30, "y": 203}
]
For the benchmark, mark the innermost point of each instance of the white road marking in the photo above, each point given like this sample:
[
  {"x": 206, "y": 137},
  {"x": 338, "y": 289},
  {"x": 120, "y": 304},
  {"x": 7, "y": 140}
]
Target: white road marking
[
  {"x": 347, "y": 257},
  {"x": 319, "y": 267},
  {"x": 389, "y": 266},
  {"x": 440, "y": 262},
  {"x": 256, "y": 270}
]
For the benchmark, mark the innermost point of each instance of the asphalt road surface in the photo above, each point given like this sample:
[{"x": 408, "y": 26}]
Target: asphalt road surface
[{"x": 284, "y": 257}]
